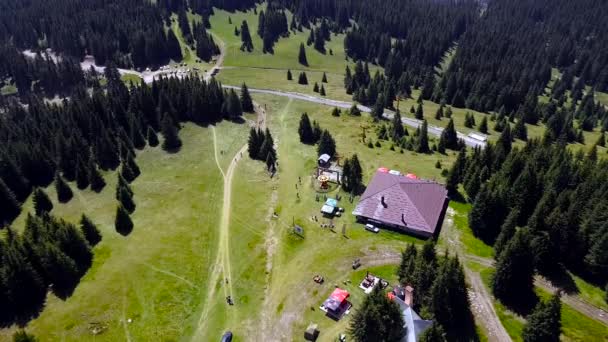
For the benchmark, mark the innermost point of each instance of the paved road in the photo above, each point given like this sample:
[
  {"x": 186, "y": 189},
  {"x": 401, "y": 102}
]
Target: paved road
[{"x": 433, "y": 130}]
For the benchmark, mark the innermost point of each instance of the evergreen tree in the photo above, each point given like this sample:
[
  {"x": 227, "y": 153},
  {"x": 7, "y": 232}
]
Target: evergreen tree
[
  {"x": 507, "y": 230},
  {"x": 449, "y": 137},
  {"x": 10, "y": 207},
  {"x": 513, "y": 282},
  {"x": 319, "y": 40},
  {"x": 324, "y": 79},
  {"x": 123, "y": 223},
  {"x": 25, "y": 286},
  {"x": 302, "y": 56},
  {"x": 544, "y": 323},
  {"x": 302, "y": 79},
  {"x": 322, "y": 91},
  {"x": 82, "y": 175},
  {"x": 126, "y": 200},
  {"x": 378, "y": 109},
  {"x": 63, "y": 190},
  {"x": 352, "y": 175},
  {"x": 267, "y": 151},
  {"x": 439, "y": 113},
  {"x": 327, "y": 144},
  {"x": 122, "y": 184},
  {"x": 95, "y": 178},
  {"x": 483, "y": 126},
  {"x": 173, "y": 47},
  {"x": 14, "y": 179},
  {"x": 316, "y": 88},
  {"x": 450, "y": 302},
  {"x": 172, "y": 142},
  {"x": 406, "y": 268},
  {"x": 378, "y": 319},
  {"x": 42, "y": 203},
  {"x": 247, "y": 43},
  {"x": 425, "y": 270},
  {"x": 434, "y": 333},
  {"x": 232, "y": 108},
  {"x": 126, "y": 173},
  {"x": 448, "y": 112},
  {"x": 152, "y": 137},
  {"x": 520, "y": 131},
  {"x": 130, "y": 161},
  {"x": 246, "y": 101},
  {"x": 354, "y": 110},
  {"x": 397, "y": 128},
  {"x": 305, "y": 130},
  {"x": 335, "y": 112},
  {"x": 89, "y": 230},
  {"x": 261, "y": 24},
  {"x": 255, "y": 143},
  {"x": 419, "y": 112},
  {"x": 422, "y": 145},
  {"x": 289, "y": 76}
]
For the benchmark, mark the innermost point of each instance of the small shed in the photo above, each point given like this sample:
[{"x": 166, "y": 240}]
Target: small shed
[
  {"x": 312, "y": 332},
  {"x": 323, "y": 160}
]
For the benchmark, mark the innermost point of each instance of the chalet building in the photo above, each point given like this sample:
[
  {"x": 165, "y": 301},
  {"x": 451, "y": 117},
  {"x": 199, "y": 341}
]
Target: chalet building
[{"x": 403, "y": 203}]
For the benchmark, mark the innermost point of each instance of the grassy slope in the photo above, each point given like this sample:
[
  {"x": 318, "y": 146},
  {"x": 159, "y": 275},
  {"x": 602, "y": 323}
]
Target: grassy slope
[
  {"x": 8, "y": 89},
  {"x": 130, "y": 78},
  {"x": 156, "y": 275},
  {"x": 261, "y": 70},
  {"x": 472, "y": 245},
  {"x": 575, "y": 326}
]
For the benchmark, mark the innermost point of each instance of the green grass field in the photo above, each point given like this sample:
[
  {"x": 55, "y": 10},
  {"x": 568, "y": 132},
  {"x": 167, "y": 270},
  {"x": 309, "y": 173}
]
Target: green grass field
[
  {"x": 265, "y": 70},
  {"x": 471, "y": 244},
  {"x": 130, "y": 78}
]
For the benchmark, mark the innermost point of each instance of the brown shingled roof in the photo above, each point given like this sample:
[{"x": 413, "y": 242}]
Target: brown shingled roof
[{"x": 412, "y": 204}]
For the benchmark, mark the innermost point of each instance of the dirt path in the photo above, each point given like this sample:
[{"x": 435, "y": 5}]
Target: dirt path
[
  {"x": 222, "y": 266},
  {"x": 220, "y": 59},
  {"x": 575, "y": 301},
  {"x": 481, "y": 301},
  {"x": 483, "y": 308}
]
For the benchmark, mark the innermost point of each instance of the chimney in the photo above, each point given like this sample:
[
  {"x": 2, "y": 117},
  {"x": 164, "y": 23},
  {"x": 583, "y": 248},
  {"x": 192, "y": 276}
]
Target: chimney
[
  {"x": 383, "y": 202},
  {"x": 409, "y": 296}
]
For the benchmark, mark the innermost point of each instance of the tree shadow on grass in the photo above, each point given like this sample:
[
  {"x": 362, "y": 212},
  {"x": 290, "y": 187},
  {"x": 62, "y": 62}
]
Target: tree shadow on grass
[
  {"x": 521, "y": 303},
  {"x": 561, "y": 279}
]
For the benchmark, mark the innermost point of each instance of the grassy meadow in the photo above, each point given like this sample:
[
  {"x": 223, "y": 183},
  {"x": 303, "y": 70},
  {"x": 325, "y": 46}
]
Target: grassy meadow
[{"x": 156, "y": 276}]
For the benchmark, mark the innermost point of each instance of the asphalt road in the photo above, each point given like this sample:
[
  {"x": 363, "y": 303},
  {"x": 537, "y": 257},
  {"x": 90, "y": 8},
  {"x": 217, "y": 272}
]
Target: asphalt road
[{"x": 433, "y": 130}]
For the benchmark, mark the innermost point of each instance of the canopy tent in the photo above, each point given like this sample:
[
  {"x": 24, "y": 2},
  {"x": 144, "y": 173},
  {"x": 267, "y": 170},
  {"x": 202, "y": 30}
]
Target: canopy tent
[
  {"x": 336, "y": 299},
  {"x": 331, "y": 202},
  {"x": 328, "y": 209}
]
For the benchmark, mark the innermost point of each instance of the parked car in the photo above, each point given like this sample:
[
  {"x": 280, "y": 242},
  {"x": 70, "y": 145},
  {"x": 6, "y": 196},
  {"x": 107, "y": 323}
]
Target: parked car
[
  {"x": 372, "y": 228},
  {"x": 227, "y": 337}
]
